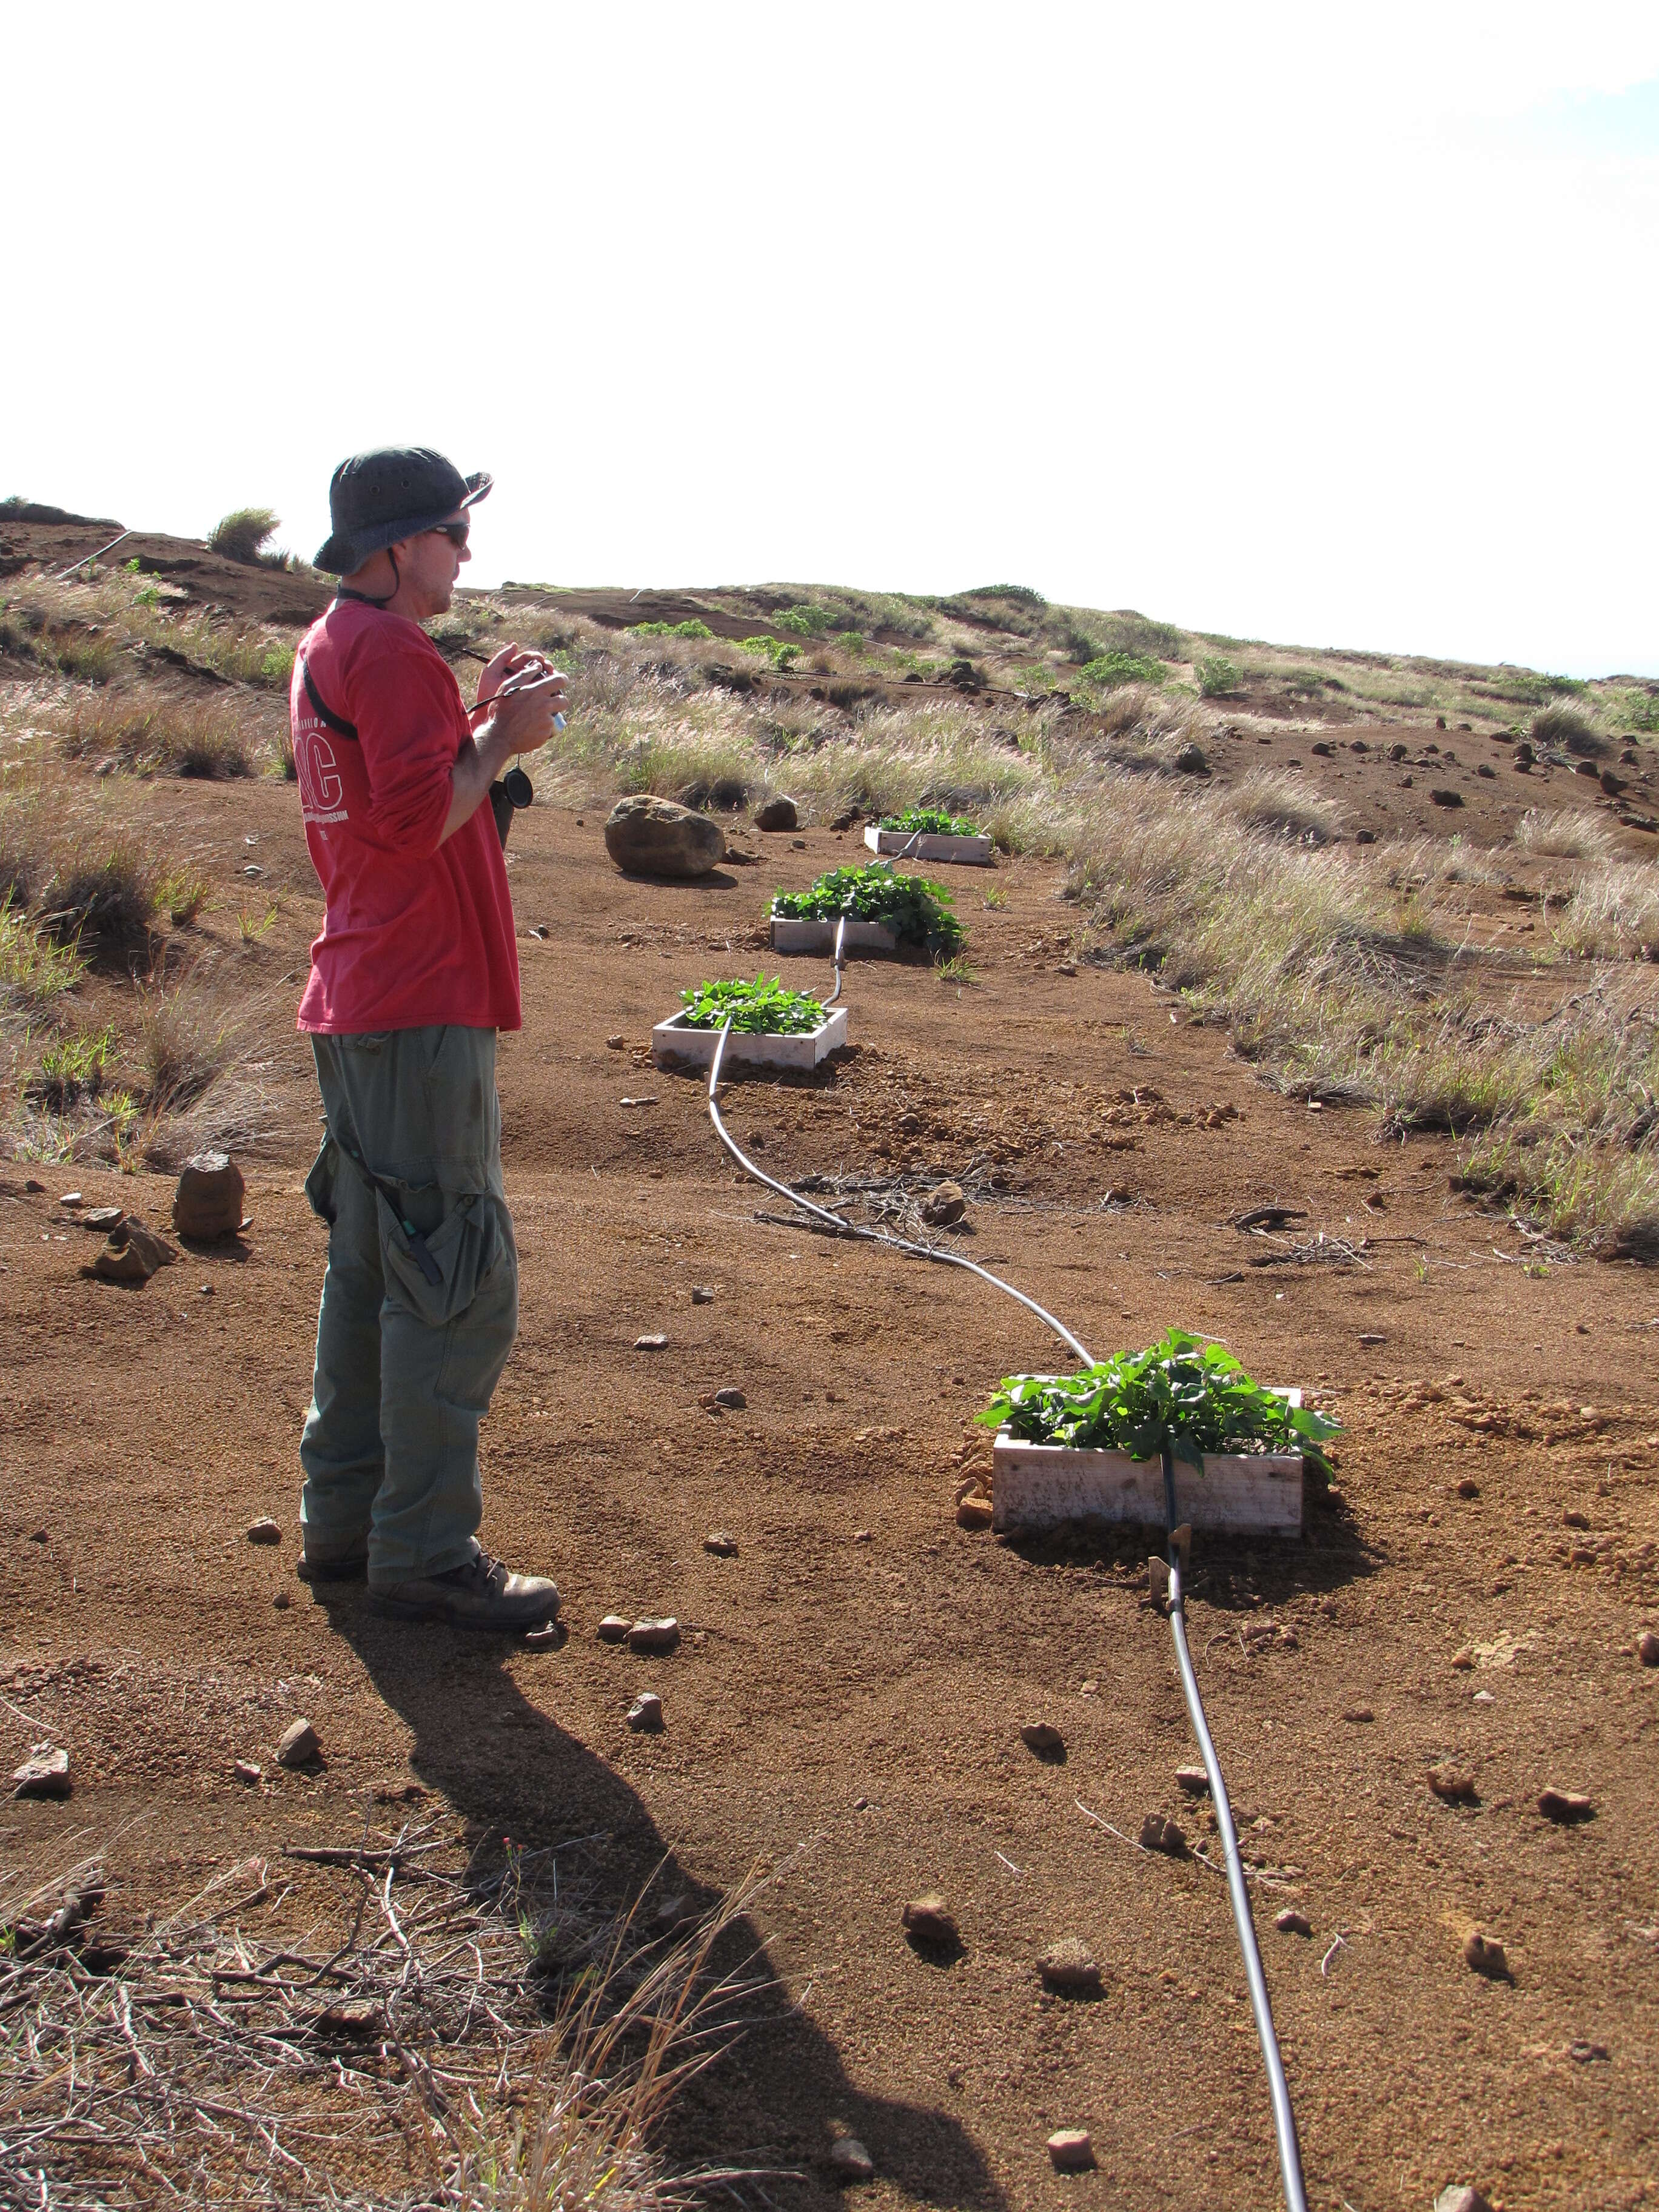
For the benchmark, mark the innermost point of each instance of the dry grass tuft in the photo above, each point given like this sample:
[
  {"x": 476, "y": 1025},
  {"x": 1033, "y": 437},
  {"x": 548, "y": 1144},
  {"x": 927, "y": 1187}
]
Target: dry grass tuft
[
  {"x": 1570, "y": 729},
  {"x": 1283, "y": 805},
  {"x": 243, "y": 534},
  {"x": 1564, "y": 833},
  {"x": 160, "y": 735}
]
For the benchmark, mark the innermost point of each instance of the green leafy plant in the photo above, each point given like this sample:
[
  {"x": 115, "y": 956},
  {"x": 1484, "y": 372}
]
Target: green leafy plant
[
  {"x": 763, "y": 1008},
  {"x": 241, "y": 535},
  {"x": 1217, "y": 676},
  {"x": 1110, "y": 670},
  {"x": 1193, "y": 1396},
  {"x": 914, "y": 909},
  {"x": 72, "y": 1068},
  {"x": 690, "y": 628},
  {"x": 807, "y": 621},
  {"x": 934, "y": 822},
  {"x": 777, "y": 650}
]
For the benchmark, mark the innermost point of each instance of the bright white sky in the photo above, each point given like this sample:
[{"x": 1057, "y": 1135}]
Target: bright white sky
[{"x": 1333, "y": 326}]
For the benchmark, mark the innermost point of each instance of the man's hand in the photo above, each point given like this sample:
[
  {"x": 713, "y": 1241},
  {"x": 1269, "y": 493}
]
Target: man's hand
[
  {"x": 508, "y": 662},
  {"x": 521, "y": 704}
]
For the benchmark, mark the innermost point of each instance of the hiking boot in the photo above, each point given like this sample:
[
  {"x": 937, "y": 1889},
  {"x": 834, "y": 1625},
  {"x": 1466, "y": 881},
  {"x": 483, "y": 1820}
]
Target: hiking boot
[
  {"x": 483, "y": 1593},
  {"x": 342, "y": 1567}
]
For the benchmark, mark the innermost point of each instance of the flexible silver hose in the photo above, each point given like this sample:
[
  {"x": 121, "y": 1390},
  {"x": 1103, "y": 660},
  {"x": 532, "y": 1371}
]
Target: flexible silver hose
[{"x": 1290, "y": 2152}]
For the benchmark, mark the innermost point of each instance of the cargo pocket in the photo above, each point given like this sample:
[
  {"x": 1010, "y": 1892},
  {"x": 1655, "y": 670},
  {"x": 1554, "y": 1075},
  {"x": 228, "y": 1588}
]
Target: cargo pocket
[
  {"x": 319, "y": 1183},
  {"x": 466, "y": 1248}
]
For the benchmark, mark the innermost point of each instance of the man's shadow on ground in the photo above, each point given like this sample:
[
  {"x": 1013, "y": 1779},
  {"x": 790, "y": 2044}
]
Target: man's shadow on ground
[{"x": 505, "y": 1766}]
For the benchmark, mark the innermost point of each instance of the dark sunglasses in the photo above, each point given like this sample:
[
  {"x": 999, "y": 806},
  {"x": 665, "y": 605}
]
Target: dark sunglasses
[{"x": 456, "y": 532}]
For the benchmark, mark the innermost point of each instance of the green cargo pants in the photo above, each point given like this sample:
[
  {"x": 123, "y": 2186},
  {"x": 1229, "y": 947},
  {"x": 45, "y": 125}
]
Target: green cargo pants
[{"x": 405, "y": 1368}]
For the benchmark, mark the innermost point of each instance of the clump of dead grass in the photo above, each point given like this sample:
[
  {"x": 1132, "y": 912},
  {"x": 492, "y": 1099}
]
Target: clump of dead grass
[
  {"x": 1570, "y": 729},
  {"x": 157, "y": 735},
  {"x": 1564, "y": 833},
  {"x": 1612, "y": 913},
  {"x": 1280, "y": 804}
]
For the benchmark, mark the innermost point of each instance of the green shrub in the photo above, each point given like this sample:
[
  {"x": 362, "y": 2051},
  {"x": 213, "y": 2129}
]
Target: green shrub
[
  {"x": 780, "y": 654},
  {"x": 1129, "y": 632},
  {"x": 916, "y": 911},
  {"x": 1217, "y": 676},
  {"x": 242, "y": 534},
  {"x": 933, "y": 822},
  {"x": 1110, "y": 670},
  {"x": 71, "y": 1069},
  {"x": 761, "y": 1008},
  {"x": 806, "y": 621},
  {"x": 691, "y": 628}
]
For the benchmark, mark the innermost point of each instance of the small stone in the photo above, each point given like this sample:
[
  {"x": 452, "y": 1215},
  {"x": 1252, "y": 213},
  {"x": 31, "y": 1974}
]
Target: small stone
[
  {"x": 1647, "y": 1648},
  {"x": 1463, "y": 1658},
  {"x": 1044, "y": 1740},
  {"x": 45, "y": 1775},
  {"x": 928, "y": 1919},
  {"x": 1190, "y": 760},
  {"x": 849, "y": 2160},
  {"x": 1452, "y": 1784},
  {"x": 1358, "y": 1713},
  {"x": 282, "y": 1601},
  {"x": 245, "y": 1771},
  {"x": 613, "y": 1628},
  {"x": 945, "y": 1204},
  {"x": 777, "y": 814},
  {"x": 207, "y": 1205},
  {"x": 1468, "y": 1488},
  {"x": 1193, "y": 1780},
  {"x": 701, "y": 1295},
  {"x": 657, "y": 1341},
  {"x": 974, "y": 1511},
  {"x": 1459, "y": 2196},
  {"x": 1071, "y": 2150},
  {"x": 132, "y": 1253},
  {"x": 1069, "y": 1967},
  {"x": 1572, "y": 1518},
  {"x": 102, "y": 1217},
  {"x": 721, "y": 1543},
  {"x": 1371, "y": 1336},
  {"x": 645, "y": 1713},
  {"x": 1485, "y": 1955},
  {"x": 265, "y": 1531},
  {"x": 300, "y": 1743},
  {"x": 730, "y": 1397},
  {"x": 72, "y": 1198},
  {"x": 40, "y": 1536},
  {"x": 1158, "y": 1834},
  {"x": 654, "y": 1635},
  {"x": 1565, "y": 1806},
  {"x": 797, "y": 844},
  {"x": 1588, "y": 2054},
  {"x": 1290, "y": 1922},
  {"x": 33, "y": 1187},
  {"x": 615, "y": 1042},
  {"x": 548, "y": 1636}
]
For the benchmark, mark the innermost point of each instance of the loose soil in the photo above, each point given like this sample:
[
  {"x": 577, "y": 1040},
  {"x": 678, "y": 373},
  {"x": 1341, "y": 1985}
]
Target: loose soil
[{"x": 845, "y": 1709}]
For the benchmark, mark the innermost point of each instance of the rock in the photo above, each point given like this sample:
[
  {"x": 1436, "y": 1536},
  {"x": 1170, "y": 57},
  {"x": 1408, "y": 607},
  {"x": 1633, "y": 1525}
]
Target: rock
[
  {"x": 1458, "y": 2196},
  {"x": 265, "y": 1531},
  {"x": 550, "y": 1635},
  {"x": 615, "y": 1042},
  {"x": 657, "y": 1341},
  {"x": 1044, "y": 1740},
  {"x": 41, "y": 1537},
  {"x": 654, "y": 1635},
  {"x": 721, "y": 1544},
  {"x": 1068, "y": 1967},
  {"x": 1364, "y": 838},
  {"x": 776, "y": 814},
  {"x": 1647, "y": 1648},
  {"x": 245, "y": 1771},
  {"x": 1190, "y": 760},
  {"x": 613, "y": 1628},
  {"x": 849, "y": 2160},
  {"x": 650, "y": 836},
  {"x": 300, "y": 1743},
  {"x": 974, "y": 1511},
  {"x": 1572, "y": 1518},
  {"x": 72, "y": 1198},
  {"x": 1290, "y": 1922},
  {"x": 645, "y": 1714},
  {"x": 1193, "y": 1780},
  {"x": 132, "y": 1254},
  {"x": 103, "y": 1216},
  {"x": 1372, "y": 1336},
  {"x": 1463, "y": 1658},
  {"x": 1452, "y": 1785},
  {"x": 1158, "y": 1834},
  {"x": 208, "y": 1203},
  {"x": 1565, "y": 1806},
  {"x": 928, "y": 1919},
  {"x": 33, "y": 1186},
  {"x": 1071, "y": 2150},
  {"x": 45, "y": 1775},
  {"x": 1444, "y": 796},
  {"x": 282, "y": 1601},
  {"x": 946, "y": 1203},
  {"x": 701, "y": 1295},
  {"x": 797, "y": 844},
  {"x": 1468, "y": 1488},
  {"x": 1484, "y": 1954},
  {"x": 730, "y": 1397},
  {"x": 1358, "y": 1713},
  {"x": 1588, "y": 2054}
]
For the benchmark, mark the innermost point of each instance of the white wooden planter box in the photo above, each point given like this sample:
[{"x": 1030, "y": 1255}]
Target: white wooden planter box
[
  {"x": 976, "y": 852},
  {"x": 1038, "y": 1487},
  {"x": 790, "y": 934},
  {"x": 671, "y": 1040}
]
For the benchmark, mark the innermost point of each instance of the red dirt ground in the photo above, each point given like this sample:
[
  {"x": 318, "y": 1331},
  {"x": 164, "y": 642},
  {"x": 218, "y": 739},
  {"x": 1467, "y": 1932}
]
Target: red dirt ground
[{"x": 846, "y": 1708}]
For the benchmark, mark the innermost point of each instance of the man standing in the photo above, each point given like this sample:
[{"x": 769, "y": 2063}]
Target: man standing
[{"x": 415, "y": 973}]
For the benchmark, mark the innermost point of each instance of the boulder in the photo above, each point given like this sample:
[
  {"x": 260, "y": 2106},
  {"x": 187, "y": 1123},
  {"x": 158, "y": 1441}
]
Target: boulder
[
  {"x": 208, "y": 1203},
  {"x": 132, "y": 1253},
  {"x": 776, "y": 814},
  {"x": 649, "y": 836}
]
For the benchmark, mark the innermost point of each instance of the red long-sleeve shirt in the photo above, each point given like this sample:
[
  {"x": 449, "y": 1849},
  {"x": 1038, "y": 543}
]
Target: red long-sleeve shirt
[{"x": 414, "y": 933}]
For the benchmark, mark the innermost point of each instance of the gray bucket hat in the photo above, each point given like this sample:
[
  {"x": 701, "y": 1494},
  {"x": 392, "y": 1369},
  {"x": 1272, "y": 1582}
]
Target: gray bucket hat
[{"x": 397, "y": 491}]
